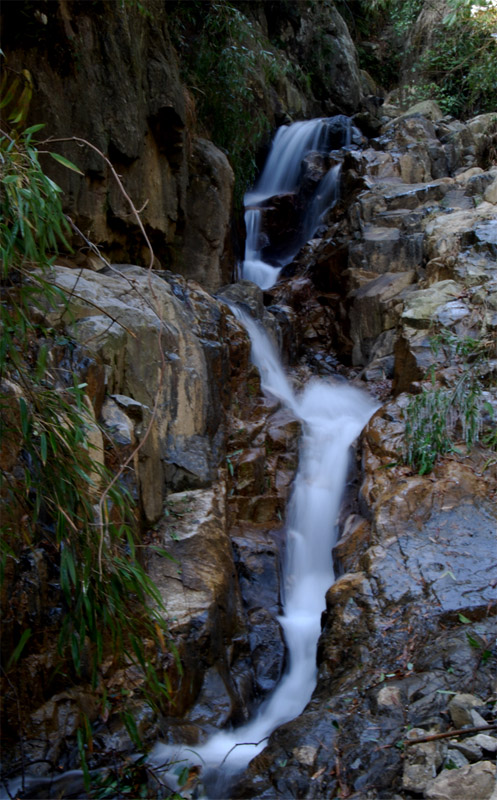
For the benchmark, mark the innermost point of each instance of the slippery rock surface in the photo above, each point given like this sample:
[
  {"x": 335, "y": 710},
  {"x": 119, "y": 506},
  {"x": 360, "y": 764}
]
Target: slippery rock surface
[
  {"x": 409, "y": 633},
  {"x": 167, "y": 367},
  {"x": 408, "y": 637}
]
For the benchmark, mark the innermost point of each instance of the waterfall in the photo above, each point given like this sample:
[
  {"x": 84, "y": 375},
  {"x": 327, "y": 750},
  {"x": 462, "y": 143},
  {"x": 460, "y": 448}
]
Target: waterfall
[
  {"x": 281, "y": 174},
  {"x": 332, "y": 416}
]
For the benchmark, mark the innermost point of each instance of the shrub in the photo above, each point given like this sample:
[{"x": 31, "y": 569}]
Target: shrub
[
  {"x": 225, "y": 64},
  {"x": 440, "y": 416}
]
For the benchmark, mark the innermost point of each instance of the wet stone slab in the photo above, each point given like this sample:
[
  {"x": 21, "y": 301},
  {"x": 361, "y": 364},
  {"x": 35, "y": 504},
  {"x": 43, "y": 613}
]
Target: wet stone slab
[{"x": 449, "y": 560}]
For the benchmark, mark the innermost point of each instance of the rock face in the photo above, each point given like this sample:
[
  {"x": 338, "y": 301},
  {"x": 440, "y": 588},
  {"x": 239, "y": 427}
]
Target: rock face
[
  {"x": 167, "y": 370},
  {"x": 110, "y": 75},
  {"x": 406, "y": 649},
  {"x": 401, "y": 656}
]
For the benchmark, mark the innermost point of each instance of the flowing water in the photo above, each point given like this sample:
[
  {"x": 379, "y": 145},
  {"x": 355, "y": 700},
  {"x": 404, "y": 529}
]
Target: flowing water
[
  {"x": 332, "y": 416},
  {"x": 281, "y": 174}
]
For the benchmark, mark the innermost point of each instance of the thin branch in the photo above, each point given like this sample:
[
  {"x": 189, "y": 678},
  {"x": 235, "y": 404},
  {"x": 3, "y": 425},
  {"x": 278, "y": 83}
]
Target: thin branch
[
  {"x": 243, "y": 744},
  {"x": 102, "y": 310},
  {"x": 102, "y": 513},
  {"x": 93, "y": 247},
  {"x": 449, "y": 734}
]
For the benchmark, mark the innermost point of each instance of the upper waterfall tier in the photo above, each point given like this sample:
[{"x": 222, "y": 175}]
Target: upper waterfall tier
[{"x": 284, "y": 173}]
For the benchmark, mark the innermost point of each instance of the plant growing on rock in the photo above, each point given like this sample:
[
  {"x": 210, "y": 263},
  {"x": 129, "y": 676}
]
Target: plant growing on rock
[
  {"x": 52, "y": 465},
  {"x": 441, "y": 415},
  {"x": 225, "y": 64},
  {"x": 445, "y": 51}
]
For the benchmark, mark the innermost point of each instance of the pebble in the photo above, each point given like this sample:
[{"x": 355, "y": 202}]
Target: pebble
[{"x": 462, "y": 709}]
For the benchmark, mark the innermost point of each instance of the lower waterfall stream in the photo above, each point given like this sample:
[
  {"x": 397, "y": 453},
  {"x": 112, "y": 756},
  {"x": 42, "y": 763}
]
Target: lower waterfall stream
[{"x": 332, "y": 416}]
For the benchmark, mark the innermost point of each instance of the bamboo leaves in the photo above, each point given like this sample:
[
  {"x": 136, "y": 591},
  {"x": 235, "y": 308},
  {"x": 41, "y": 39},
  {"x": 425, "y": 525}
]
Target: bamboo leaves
[{"x": 117, "y": 612}]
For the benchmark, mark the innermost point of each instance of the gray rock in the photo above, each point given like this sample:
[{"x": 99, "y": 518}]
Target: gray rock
[
  {"x": 490, "y": 194},
  {"x": 485, "y": 741},
  {"x": 473, "y": 781},
  {"x": 455, "y": 759},
  {"x": 117, "y": 422},
  {"x": 460, "y": 708},
  {"x": 470, "y": 750},
  {"x": 421, "y": 306},
  {"x": 421, "y": 761},
  {"x": 375, "y": 309}
]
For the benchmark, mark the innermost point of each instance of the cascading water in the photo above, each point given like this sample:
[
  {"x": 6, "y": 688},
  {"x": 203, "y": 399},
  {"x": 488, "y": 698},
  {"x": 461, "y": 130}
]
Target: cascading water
[
  {"x": 332, "y": 416},
  {"x": 281, "y": 174}
]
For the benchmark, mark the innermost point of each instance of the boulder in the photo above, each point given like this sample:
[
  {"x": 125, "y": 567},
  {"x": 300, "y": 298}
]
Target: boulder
[
  {"x": 159, "y": 354},
  {"x": 376, "y": 307},
  {"x": 421, "y": 306},
  {"x": 474, "y": 780}
]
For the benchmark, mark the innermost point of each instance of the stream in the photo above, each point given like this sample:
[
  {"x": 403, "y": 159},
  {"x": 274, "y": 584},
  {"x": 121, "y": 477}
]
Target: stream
[{"x": 332, "y": 414}]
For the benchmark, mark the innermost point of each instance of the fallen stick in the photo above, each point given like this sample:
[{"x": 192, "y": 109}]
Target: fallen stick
[{"x": 448, "y": 734}]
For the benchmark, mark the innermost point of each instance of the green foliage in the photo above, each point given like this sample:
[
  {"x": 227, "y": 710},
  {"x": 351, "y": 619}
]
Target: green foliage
[
  {"x": 459, "y": 67},
  {"x": 225, "y": 64},
  {"x": 380, "y": 29},
  {"x": 53, "y": 474},
  {"x": 439, "y": 416},
  {"x": 460, "y": 70}
]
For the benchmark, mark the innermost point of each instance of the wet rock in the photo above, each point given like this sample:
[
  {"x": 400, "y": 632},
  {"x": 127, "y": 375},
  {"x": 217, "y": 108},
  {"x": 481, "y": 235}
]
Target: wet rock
[
  {"x": 249, "y": 471},
  {"x": 257, "y": 558},
  {"x": 283, "y": 431},
  {"x": 354, "y": 540},
  {"x": 281, "y": 225},
  {"x": 267, "y": 648},
  {"x": 246, "y": 293},
  {"x": 475, "y": 780}
]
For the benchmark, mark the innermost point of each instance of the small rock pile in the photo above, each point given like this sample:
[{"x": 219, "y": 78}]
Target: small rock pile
[{"x": 441, "y": 767}]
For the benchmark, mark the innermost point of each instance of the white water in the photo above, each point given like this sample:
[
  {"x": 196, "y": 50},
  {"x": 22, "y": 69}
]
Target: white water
[
  {"x": 332, "y": 415},
  {"x": 281, "y": 174}
]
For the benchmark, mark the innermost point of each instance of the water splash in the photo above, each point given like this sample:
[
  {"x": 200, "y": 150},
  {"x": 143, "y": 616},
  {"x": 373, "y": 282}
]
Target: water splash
[{"x": 332, "y": 416}]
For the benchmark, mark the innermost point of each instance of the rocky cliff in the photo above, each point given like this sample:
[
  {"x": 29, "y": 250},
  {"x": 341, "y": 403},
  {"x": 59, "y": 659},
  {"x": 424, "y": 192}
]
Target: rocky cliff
[
  {"x": 123, "y": 78},
  {"x": 407, "y": 256}
]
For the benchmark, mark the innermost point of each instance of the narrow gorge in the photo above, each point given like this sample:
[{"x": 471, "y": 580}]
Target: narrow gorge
[{"x": 286, "y": 385}]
